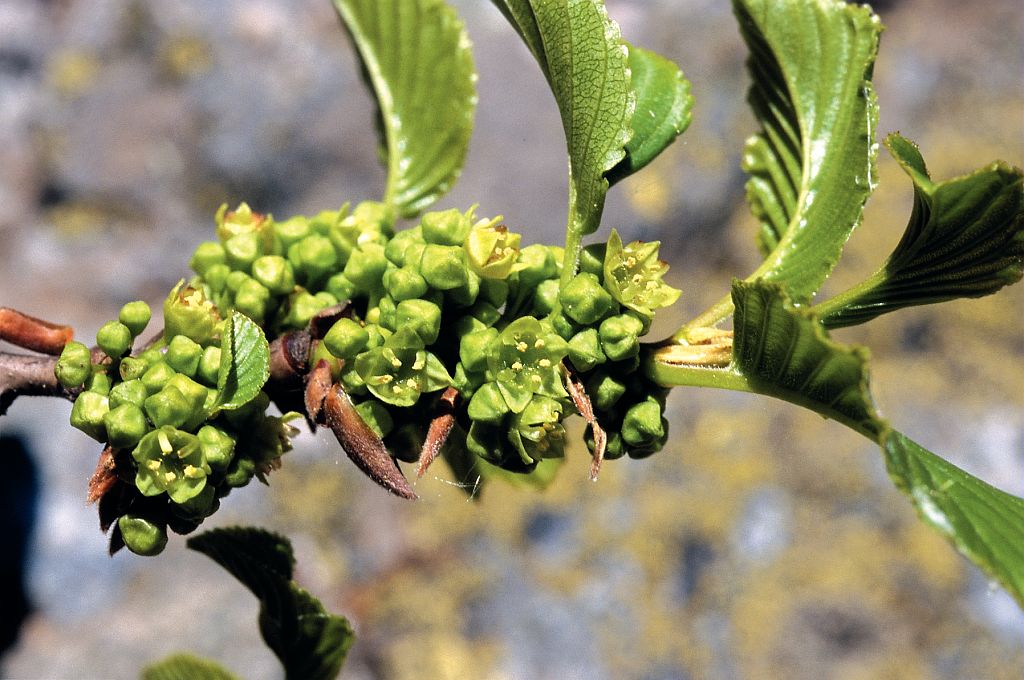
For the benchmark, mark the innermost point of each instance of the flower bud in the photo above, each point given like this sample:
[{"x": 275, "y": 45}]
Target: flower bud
[
  {"x": 545, "y": 297},
  {"x": 487, "y": 405},
  {"x": 253, "y": 299},
  {"x": 87, "y": 414},
  {"x": 168, "y": 407},
  {"x": 128, "y": 392},
  {"x": 535, "y": 264},
  {"x": 592, "y": 259},
  {"x": 376, "y": 416},
  {"x": 642, "y": 423},
  {"x": 464, "y": 296},
  {"x": 132, "y": 368},
  {"x": 395, "y": 249},
  {"x": 126, "y": 425},
  {"x": 197, "y": 397},
  {"x": 250, "y": 414},
  {"x": 135, "y": 315},
  {"x": 421, "y": 316},
  {"x": 446, "y": 227},
  {"x": 292, "y": 230},
  {"x": 585, "y": 350},
  {"x": 275, "y": 273},
  {"x": 218, "y": 447},
  {"x": 183, "y": 355},
  {"x": 241, "y": 250},
  {"x": 156, "y": 376},
  {"x": 114, "y": 339},
  {"x": 187, "y": 312},
  {"x": 605, "y": 390},
  {"x": 492, "y": 251},
  {"x": 216, "y": 278},
  {"x": 585, "y": 301},
  {"x": 404, "y": 283},
  {"x": 620, "y": 336},
  {"x": 240, "y": 472},
  {"x": 209, "y": 366},
  {"x": 142, "y": 536},
  {"x": 340, "y": 287},
  {"x": 474, "y": 348},
  {"x": 444, "y": 267},
  {"x": 74, "y": 366},
  {"x": 365, "y": 268},
  {"x": 494, "y": 292},
  {"x": 195, "y": 509},
  {"x": 346, "y": 339},
  {"x": 205, "y": 256},
  {"x": 313, "y": 258},
  {"x": 99, "y": 382},
  {"x": 564, "y": 326}
]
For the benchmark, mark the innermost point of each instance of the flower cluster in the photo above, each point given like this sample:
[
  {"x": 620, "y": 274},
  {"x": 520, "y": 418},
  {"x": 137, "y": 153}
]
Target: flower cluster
[{"x": 453, "y": 301}]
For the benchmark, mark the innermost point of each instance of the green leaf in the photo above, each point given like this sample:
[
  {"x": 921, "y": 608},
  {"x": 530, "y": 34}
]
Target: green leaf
[
  {"x": 783, "y": 351},
  {"x": 417, "y": 57},
  {"x": 244, "y": 362},
  {"x": 812, "y": 164},
  {"x": 984, "y": 523},
  {"x": 965, "y": 238},
  {"x": 582, "y": 54},
  {"x": 663, "y": 110},
  {"x": 186, "y": 667},
  {"x": 310, "y": 642}
]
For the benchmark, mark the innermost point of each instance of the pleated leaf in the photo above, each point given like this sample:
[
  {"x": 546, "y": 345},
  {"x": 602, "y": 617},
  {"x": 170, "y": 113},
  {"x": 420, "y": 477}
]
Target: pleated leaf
[
  {"x": 582, "y": 54},
  {"x": 965, "y": 238},
  {"x": 663, "y": 110},
  {"x": 417, "y": 58},
  {"x": 812, "y": 163},
  {"x": 310, "y": 642},
  {"x": 244, "y": 362},
  {"x": 186, "y": 667},
  {"x": 783, "y": 351}
]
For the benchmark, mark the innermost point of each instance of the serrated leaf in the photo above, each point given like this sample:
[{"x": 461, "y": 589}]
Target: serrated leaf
[
  {"x": 783, "y": 351},
  {"x": 244, "y": 362},
  {"x": 186, "y": 667},
  {"x": 663, "y": 110},
  {"x": 418, "y": 59},
  {"x": 965, "y": 238},
  {"x": 812, "y": 164},
  {"x": 310, "y": 642},
  {"x": 582, "y": 54}
]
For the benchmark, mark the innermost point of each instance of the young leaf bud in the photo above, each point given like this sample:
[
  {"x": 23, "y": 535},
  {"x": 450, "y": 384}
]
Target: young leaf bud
[
  {"x": 126, "y": 425},
  {"x": 74, "y": 366},
  {"x": 585, "y": 301},
  {"x": 142, "y": 536},
  {"x": 135, "y": 315},
  {"x": 114, "y": 339}
]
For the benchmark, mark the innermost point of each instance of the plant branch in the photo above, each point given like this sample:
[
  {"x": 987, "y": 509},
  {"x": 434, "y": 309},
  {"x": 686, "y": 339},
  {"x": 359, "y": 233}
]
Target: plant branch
[{"x": 24, "y": 374}]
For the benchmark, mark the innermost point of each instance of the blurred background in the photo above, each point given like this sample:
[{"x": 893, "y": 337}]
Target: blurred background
[{"x": 763, "y": 542}]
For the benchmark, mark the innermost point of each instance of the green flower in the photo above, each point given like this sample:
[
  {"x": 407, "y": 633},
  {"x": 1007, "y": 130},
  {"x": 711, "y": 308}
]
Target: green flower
[
  {"x": 526, "y": 360},
  {"x": 170, "y": 460},
  {"x": 492, "y": 250},
  {"x": 632, "y": 274},
  {"x": 243, "y": 220},
  {"x": 538, "y": 431},
  {"x": 400, "y": 370},
  {"x": 187, "y": 312}
]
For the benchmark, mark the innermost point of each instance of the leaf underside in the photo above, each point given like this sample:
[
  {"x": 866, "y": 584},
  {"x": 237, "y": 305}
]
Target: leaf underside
[
  {"x": 783, "y": 351},
  {"x": 244, "y": 362},
  {"x": 663, "y": 110},
  {"x": 584, "y": 59},
  {"x": 310, "y": 642},
  {"x": 418, "y": 60},
  {"x": 812, "y": 163},
  {"x": 965, "y": 238}
]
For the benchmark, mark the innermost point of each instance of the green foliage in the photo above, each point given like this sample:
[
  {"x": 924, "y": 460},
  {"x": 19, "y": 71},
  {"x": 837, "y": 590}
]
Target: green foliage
[
  {"x": 186, "y": 667},
  {"x": 965, "y": 238},
  {"x": 812, "y": 164},
  {"x": 426, "y": 129},
  {"x": 244, "y": 362},
  {"x": 310, "y": 642}
]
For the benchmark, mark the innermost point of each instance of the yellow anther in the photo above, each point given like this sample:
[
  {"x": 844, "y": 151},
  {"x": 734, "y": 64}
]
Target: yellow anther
[
  {"x": 630, "y": 261},
  {"x": 192, "y": 472},
  {"x": 411, "y": 383},
  {"x": 522, "y": 346},
  {"x": 421, "y": 361},
  {"x": 396, "y": 362},
  {"x": 539, "y": 344},
  {"x": 385, "y": 379},
  {"x": 153, "y": 465},
  {"x": 636, "y": 279},
  {"x": 545, "y": 363},
  {"x": 170, "y": 477},
  {"x": 535, "y": 378},
  {"x": 517, "y": 366}
]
